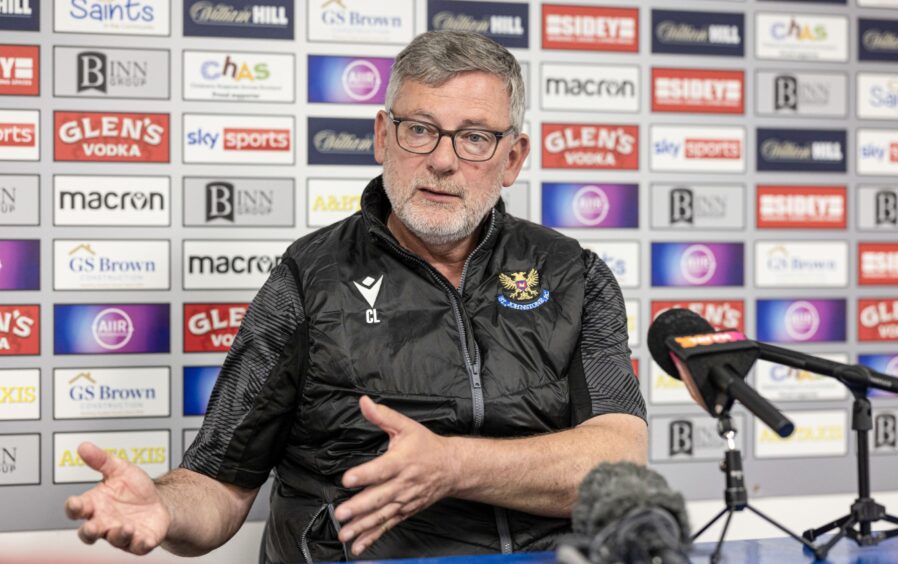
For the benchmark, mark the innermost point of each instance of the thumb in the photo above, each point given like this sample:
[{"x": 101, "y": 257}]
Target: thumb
[
  {"x": 99, "y": 459},
  {"x": 387, "y": 419}
]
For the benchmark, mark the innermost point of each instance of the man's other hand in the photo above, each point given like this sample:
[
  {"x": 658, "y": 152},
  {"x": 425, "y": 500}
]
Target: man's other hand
[
  {"x": 125, "y": 508},
  {"x": 417, "y": 470}
]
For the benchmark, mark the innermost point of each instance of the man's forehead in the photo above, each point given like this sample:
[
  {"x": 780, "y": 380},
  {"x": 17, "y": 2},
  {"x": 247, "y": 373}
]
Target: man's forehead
[{"x": 465, "y": 100}]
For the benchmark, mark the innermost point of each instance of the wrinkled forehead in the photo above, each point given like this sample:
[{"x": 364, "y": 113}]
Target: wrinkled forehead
[{"x": 467, "y": 98}]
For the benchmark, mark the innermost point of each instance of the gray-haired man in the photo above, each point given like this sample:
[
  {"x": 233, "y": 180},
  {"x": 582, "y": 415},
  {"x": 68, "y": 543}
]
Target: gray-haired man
[{"x": 428, "y": 377}]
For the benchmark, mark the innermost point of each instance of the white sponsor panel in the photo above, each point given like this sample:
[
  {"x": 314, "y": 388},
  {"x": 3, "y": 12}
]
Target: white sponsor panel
[
  {"x": 801, "y": 37},
  {"x": 877, "y": 207},
  {"x": 116, "y": 17},
  {"x": 105, "y": 264},
  {"x": 20, "y": 394},
  {"x": 633, "y": 332},
  {"x": 877, "y": 152},
  {"x": 238, "y": 76},
  {"x": 329, "y": 200},
  {"x": 591, "y": 88},
  {"x": 802, "y": 94},
  {"x": 20, "y": 460},
  {"x": 622, "y": 257},
  {"x": 20, "y": 138},
  {"x": 817, "y": 433},
  {"x": 777, "y": 382},
  {"x": 685, "y": 148},
  {"x": 97, "y": 393},
  {"x": 149, "y": 450},
  {"x": 188, "y": 436},
  {"x": 801, "y": 264},
  {"x": 664, "y": 389},
  {"x": 878, "y": 3},
  {"x": 877, "y": 95},
  {"x": 238, "y": 139},
  {"x": 361, "y": 21},
  {"x": 112, "y": 200},
  {"x": 230, "y": 264},
  {"x": 698, "y": 206}
]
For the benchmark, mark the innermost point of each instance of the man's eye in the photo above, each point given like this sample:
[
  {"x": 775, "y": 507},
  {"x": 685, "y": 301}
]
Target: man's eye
[
  {"x": 418, "y": 129},
  {"x": 476, "y": 137}
]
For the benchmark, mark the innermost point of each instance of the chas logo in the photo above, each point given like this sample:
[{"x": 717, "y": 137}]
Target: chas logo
[{"x": 801, "y": 37}]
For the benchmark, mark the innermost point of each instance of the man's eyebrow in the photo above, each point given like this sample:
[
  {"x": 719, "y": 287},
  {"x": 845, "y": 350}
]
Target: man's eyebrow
[{"x": 423, "y": 114}]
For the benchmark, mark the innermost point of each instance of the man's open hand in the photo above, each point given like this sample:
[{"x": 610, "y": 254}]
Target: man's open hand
[
  {"x": 417, "y": 470},
  {"x": 124, "y": 508}
]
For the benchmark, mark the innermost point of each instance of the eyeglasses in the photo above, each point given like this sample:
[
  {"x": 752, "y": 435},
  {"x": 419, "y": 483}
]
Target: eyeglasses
[{"x": 422, "y": 138}]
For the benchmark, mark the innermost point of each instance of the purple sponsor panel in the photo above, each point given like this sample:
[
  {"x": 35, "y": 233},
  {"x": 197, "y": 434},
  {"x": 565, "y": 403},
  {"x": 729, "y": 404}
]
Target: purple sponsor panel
[
  {"x": 20, "y": 264},
  {"x": 348, "y": 80},
  {"x": 801, "y": 321},
  {"x": 590, "y": 205},
  {"x": 110, "y": 328},
  {"x": 698, "y": 264},
  {"x": 885, "y": 363}
]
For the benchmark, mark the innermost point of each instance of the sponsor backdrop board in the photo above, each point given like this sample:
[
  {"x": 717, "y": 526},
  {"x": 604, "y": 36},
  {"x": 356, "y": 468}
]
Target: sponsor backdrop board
[{"x": 737, "y": 158}]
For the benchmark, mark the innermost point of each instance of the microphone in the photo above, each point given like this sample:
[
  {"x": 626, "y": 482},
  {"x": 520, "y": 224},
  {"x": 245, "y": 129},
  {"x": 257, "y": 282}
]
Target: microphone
[
  {"x": 627, "y": 513},
  {"x": 712, "y": 364}
]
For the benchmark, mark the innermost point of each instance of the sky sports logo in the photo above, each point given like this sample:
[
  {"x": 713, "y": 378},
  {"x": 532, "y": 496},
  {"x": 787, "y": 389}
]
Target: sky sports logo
[
  {"x": 348, "y": 80},
  {"x": 698, "y": 90},
  {"x": 19, "y": 70},
  {"x": 19, "y": 135},
  {"x": 801, "y": 207},
  {"x": 590, "y": 205},
  {"x": 877, "y": 152},
  {"x": 241, "y": 139},
  {"x": 590, "y": 28},
  {"x": 697, "y": 148}
]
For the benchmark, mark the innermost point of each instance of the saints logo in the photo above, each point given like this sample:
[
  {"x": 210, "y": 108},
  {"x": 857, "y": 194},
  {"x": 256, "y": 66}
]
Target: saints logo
[{"x": 519, "y": 290}]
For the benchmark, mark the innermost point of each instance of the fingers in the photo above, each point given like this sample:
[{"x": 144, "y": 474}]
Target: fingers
[
  {"x": 79, "y": 507},
  {"x": 368, "y": 521},
  {"x": 89, "y": 532},
  {"x": 377, "y": 471},
  {"x": 387, "y": 419},
  {"x": 369, "y": 537},
  {"x": 120, "y": 537},
  {"x": 99, "y": 459}
]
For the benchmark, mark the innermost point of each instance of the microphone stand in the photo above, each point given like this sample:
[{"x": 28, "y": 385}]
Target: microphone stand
[
  {"x": 735, "y": 494},
  {"x": 864, "y": 510}
]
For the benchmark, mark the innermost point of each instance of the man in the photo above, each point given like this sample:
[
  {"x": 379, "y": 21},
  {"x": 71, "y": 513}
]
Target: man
[{"x": 427, "y": 377}]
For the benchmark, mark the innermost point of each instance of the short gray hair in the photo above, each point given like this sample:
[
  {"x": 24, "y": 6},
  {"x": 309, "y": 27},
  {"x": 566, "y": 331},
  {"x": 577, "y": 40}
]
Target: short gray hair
[{"x": 435, "y": 57}]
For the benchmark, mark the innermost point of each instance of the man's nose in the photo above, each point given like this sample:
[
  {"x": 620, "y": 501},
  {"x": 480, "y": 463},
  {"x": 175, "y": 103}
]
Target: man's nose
[{"x": 443, "y": 159}]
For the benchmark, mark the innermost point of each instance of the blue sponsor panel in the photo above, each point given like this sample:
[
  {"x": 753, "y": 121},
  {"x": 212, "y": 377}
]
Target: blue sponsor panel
[
  {"x": 348, "y": 80},
  {"x": 698, "y": 264},
  {"x": 20, "y": 263},
  {"x": 341, "y": 141},
  {"x": 505, "y": 23},
  {"x": 801, "y": 321},
  {"x": 20, "y": 15},
  {"x": 801, "y": 150},
  {"x": 877, "y": 40},
  {"x": 198, "y": 384},
  {"x": 698, "y": 33},
  {"x": 590, "y": 205},
  {"x": 260, "y": 19},
  {"x": 884, "y": 363},
  {"x": 110, "y": 328}
]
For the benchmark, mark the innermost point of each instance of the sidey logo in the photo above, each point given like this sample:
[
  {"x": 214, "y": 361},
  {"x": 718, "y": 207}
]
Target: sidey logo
[
  {"x": 369, "y": 289},
  {"x": 521, "y": 291}
]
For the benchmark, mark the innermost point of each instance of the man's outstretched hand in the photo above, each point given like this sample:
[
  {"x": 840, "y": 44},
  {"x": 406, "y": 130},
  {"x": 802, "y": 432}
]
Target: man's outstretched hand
[
  {"x": 417, "y": 470},
  {"x": 125, "y": 508}
]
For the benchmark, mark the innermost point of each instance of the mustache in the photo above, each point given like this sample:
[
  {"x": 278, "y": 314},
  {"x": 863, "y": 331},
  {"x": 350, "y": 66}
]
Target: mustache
[{"x": 440, "y": 185}]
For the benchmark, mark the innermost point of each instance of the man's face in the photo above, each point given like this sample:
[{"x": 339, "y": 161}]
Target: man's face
[{"x": 439, "y": 197}]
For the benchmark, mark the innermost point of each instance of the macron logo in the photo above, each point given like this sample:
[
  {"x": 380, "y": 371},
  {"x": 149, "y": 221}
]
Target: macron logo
[{"x": 369, "y": 288}]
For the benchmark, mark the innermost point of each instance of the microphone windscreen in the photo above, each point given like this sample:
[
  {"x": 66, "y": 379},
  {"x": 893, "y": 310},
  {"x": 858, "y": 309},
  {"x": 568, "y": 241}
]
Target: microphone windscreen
[
  {"x": 612, "y": 490},
  {"x": 675, "y": 322}
]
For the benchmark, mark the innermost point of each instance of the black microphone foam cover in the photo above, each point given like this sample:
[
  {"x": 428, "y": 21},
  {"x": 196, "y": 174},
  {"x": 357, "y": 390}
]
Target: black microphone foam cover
[{"x": 675, "y": 322}]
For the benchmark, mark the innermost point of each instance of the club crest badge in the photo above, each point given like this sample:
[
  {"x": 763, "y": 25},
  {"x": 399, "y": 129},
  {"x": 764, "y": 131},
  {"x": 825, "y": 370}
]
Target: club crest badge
[{"x": 521, "y": 291}]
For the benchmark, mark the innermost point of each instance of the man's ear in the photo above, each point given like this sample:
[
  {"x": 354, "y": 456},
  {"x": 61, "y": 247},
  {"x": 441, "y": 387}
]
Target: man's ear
[
  {"x": 381, "y": 121},
  {"x": 516, "y": 157}
]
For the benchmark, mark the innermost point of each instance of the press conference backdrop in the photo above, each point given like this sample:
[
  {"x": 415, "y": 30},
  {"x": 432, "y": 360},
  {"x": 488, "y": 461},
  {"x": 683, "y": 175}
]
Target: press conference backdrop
[{"x": 738, "y": 158}]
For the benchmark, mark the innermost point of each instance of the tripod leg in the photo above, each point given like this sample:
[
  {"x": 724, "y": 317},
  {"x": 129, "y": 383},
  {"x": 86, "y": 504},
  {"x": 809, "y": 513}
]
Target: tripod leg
[
  {"x": 783, "y": 529},
  {"x": 844, "y": 530},
  {"x": 812, "y": 534},
  {"x": 890, "y": 519},
  {"x": 715, "y": 557},
  {"x": 709, "y": 523}
]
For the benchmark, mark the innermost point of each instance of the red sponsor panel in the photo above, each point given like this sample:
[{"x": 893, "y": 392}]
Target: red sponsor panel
[
  {"x": 568, "y": 145},
  {"x": 111, "y": 137},
  {"x": 713, "y": 149},
  {"x": 17, "y": 135},
  {"x": 721, "y": 314},
  {"x": 877, "y": 264},
  {"x": 634, "y": 362},
  {"x": 893, "y": 152},
  {"x": 590, "y": 28},
  {"x": 877, "y": 319},
  {"x": 20, "y": 330},
  {"x": 698, "y": 90},
  {"x": 801, "y": 207},
  {"x": 20, "y": 70},
  {"x": 211, "y": 327},
  {"x": 245, "y": 139}
]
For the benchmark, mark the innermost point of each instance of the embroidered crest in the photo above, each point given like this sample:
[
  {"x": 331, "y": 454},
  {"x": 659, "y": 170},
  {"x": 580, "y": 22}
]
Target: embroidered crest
[{"x": 522, "y": 291}]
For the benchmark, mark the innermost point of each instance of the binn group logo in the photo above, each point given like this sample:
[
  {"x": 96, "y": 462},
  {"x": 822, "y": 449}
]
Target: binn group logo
[
  {"x": 877, "y": 152},
  {"x": 698, "y": 90},
  {"x": 801, "y": 150},
  {"x": 20, "y": 70},
  {"x": 230, "y": 139},
  {"x": 590, "y": 28},
  {"x": 19, "y": 199},
  {"x": 697, "y": 148},
  {"x": 111, "y": 137},
  {"x": 19, "y": 135},
  {"x": 232, "y": 201},
  {"x": 20, "y": 333},
  {"x": 802, "y": 94},
  {"x": 801, "y": 321},
  {"x": 211, "y": 327},
  {"x": 698, "y": 33},
  {"x": 95, "y": 72},
  {"x": 261, "y": 19},
  {"x": 698, "y": 206},
  {"x": 687, "y": 438},
  {"x": 116, "y": 17},
  {"x": 723, "y": 315},
  {"x": 877, "y": 264},
  {"x": 348, "y": 80},
  {"x": 801, "y": 37},
  {"x": 877, "y": 320},
  {"x": 20, "y": 459},
  {"x": 590, "y": 146},
  {"x": 801, "y": 207},
  {"x": 697, "y": 264},
  {"x": 20, "y": 15},
  {"x": 877, "y": 208},
  {"x": 239, "y": 76},
  {"x": 590, "y": 205},
  {"x": 506, "y": 23},
  {"x": 110, "y": 329}
]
